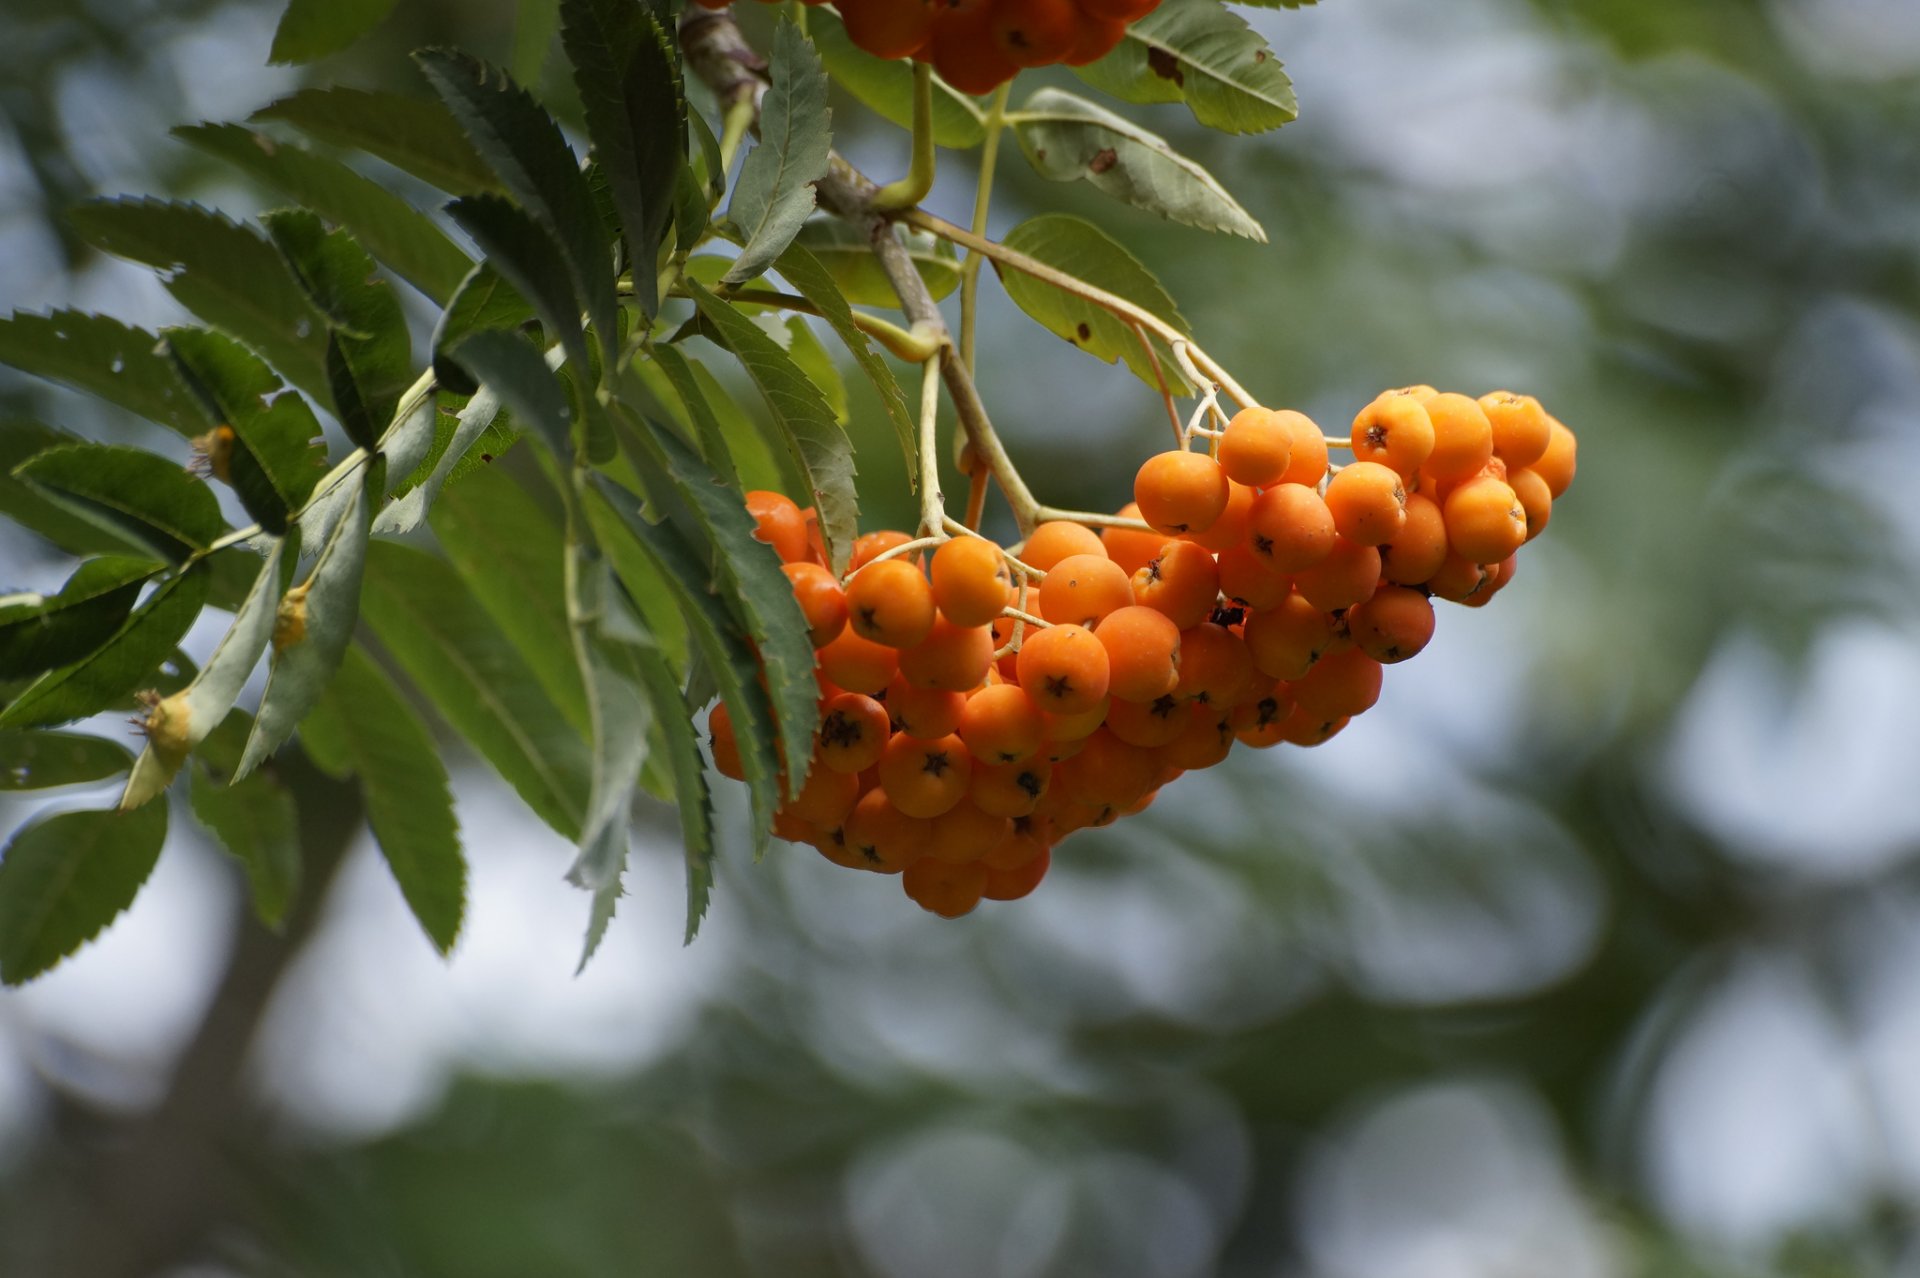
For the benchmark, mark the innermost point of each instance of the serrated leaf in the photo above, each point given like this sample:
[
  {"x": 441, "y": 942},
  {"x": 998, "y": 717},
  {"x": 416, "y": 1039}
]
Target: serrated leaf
[
  {"x": 416, "y": 135},
  {"x": 64, "y": 878},
  {"x": 526, "y": 384},
  {"x": 405, "y": 513},
  {"x": 39, "y": 632},
  {"x": 27, "y": 507},
  {"x": 371, "y": 727},
  {"x": 697, "y": 412},
  {"x": 885, "y": 86},
  {"x": 526, "y": 148},
  {"x": 278, "y": 453},
  {"x": 44, "y": 760},
  {"x": 224, "y": 272},
  {"x": 126, "y": 662},
  {"x": 147, "y": 499},
  {"x": 622, "y": 719},
  {"x": 817, "y": 364},
  {"x": 1069, "y": 139},
  {"x": 450, "y": 649},
  {"x": 311, "y": 29},
  {"x": 483, "y": 300},
  {"x": 843, "y": 250},
  {"x": 716, "y": 636},
  {"x": 817, "y": 450},
  {"x": 512, "y": 555},
  {"x": 675, "y": 737},
  {"x": 805, "y": 273},
  {"x": 774, "y": 193},
  {"x": 624, "y": 68},
  {"x": 399, "y": 235},
  {"x": 528, "y": 258},
  {"x": 317, "y": 621},
  {"x": 256, "y": 820},
  {"x": 1083, "y": 250},
  {"x": 100, "y": 355},
  {"x": 1201, "y": 53}
]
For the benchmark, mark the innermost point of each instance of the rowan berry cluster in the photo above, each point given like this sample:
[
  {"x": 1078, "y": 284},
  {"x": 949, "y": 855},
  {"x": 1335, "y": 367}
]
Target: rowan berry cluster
[
  {"x": 977, "y": 45},
  {"x": 979, "y": 704}
]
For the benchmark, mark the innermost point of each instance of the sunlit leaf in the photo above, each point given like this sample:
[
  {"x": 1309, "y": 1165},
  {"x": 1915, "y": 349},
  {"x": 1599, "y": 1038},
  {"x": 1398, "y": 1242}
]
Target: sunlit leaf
[
  {"x": 847, "y": 256},
  {"x": 805, "y": 273},
  {"x": 774, "y": 192}
]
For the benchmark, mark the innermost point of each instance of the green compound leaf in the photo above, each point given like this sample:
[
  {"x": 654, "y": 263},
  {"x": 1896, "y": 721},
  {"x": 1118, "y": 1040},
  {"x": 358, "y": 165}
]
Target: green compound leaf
[
  {"x": 399, "y": 235},
  {"x": 278, "y": 453},
  {"x": 523, "y": 254},
  {"x": 45, "y": 760},
  {"x": 256, "y": 820},
  {"x": 843, "y": 251},
  {"x": 26, "y": 506},
  {"x": 222, "y": 271},
  {"x": 416, "y": 135},
  {"x": 526, "y": 148},
  {"x": 146, "y": 499},
  {"x": 311, "y": 29},
  {"x": 449, "y": 647},
  {"x": 623, "y": 66},
  {"x": 100, "y": 355},
  {"x": 1084, "y": 250},
  {"x": 484, "y": 300},
  {"x": 526, "y": 383},
  {"x": 39, "y": 632},
  {"x": 1069, "y": 139},
  {"x": 363, "y": 723},
  {"x": 805, "y": 272},
  {"x": 1201, "y": 53},
  {"x": 774, "y": 193},
  {"x": 818, "y": 456},
  {"x": 64, "y": 878},
  {"x": 885, "y": 86}
]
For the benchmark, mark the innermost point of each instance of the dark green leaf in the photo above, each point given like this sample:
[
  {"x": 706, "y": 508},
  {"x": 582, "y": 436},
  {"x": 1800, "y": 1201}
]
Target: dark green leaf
[
  {"x": 395, "y": 232},
  {"x": 278, "y": 453},
  {"x": 256, "y": 819},
  {"x": 805, "y": 273},
  {"x": 366, "y": 723},
  {"x": 450, "y": 648},
  {"x": 26, "y": 506},
  {"x": 483, "y": 300},
  {"x": 629, "y": 85},
  {"x": 64, "y": 878},
  {"x": 311, "y": 29},
  {"x": 886, "y": 86},
  {"x": 675, "y": 737},
  {"x": 699, "y": 413},
  {"x": 43, "y": 760},
  {"x": 1201, "y": 53},
  {"x": 222, "y": 271},
  {"x": 774, "y": 192},
  {"x": 526, "y": 256},
  {"x": 478, "y": 422},
  {"x": 104, "y": 357},
  {"x": 130, "y": 492},
  {"x": 417, "y": 135},
  {"x": 526, "y": 384},
  {"x": 820, "y": 455},
  {"x": 39, "y": 632},
  {"x": 847, "y": 256},
  {"x": 622, "y": 718}
]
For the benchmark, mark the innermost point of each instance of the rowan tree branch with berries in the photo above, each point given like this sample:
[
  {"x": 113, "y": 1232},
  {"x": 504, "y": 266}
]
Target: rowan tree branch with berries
[{"x": 923, "y": 702}]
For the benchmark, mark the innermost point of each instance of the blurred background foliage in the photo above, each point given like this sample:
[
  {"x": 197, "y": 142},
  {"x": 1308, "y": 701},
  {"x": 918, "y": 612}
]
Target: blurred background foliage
[{"x": 1591, "y": 951}]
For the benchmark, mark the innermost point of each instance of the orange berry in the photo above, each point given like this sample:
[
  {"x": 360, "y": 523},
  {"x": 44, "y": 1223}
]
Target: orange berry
[
  {"x": 1207, "y": 741},
  {"x": 1215, "y": 666},
  {"x": 1556, "y": 465},
  {"x": 1108, "y": 772},
  {"x": 1245, "y": 578},
  {"x": 1346, "y": 576},
  {"x": 725, "y": 746},
  {"x": 970, "y": 581},
  {"x": 927, "y": 713},
  {"x": 1035, "y": 33},
  {"x": 881, "y": 837},
  {"x": 868, "y": 547},
  {"x": 1302, "y": 727},
  {"x": 925, "y": 778},
  {"x": 1536, "y": 499},
  {"x": 963, "y": 48},
  {"x": 1485, "y": 521},
  {"x": 1369, "y": 501},
  {"x": 1420, "y": 547},
  {"x": 853, "y": 731},
  {"x": 822, "y": 601},
  {"x": 826, "y": 799},
  {"x": 1180, "y": 492},
  {"x": 1000, "y": 724},
  {"x": 1498, "y": 577},
  {"x": 887, "y": 28},
  {"x": 1118, "y": 10},
  {"x": 939, "y": 887},
  {"x": 1393, "y": 625},
  {"x": 1231, "y": 528},
  {"x": 1340, "y": 684},
  {"x": 1462, "y": 437},
  {"x": 1010, "y": 789},
  {"x": 1394, "y": 431},
  {"x": 1029, "y": 839},
  {"x": 1290, "y": 528},
  {"x": 1131, "y": 548},
  {"x": 1096, "y": 39},
  {"x": 1182, "y": 581},
  {"x": 1013, "y": 884},
  {"x": 1071, "y": 729},
  {"x": 1308, "y": 464},
  {"x": 1054, "y": 541},
  {"x": 1063, "y": 668},
  {"x": 1150, "y": 724},
  {"x": 967, "y": 834},
  {"x": 1460, "y": 579},
  {"x": 857, "y": 664},
  {"x": 1257, "y": 721},
  {"x": 891, "y": 603},
  {"x": 1143, "y": 652},
  {"x": 953, "y": 658},
  {"x": 1520, "y": 429},
  {"x": 1256, "y": 447},
  {"x": 779, "y": 523},
  {"x": 1081, "y": 589},
  {"x": 1287, "y": 639}
]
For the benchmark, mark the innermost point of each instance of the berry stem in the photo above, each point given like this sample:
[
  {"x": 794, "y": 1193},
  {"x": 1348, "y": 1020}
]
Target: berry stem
[
  {"x": 982, "y": 202},
  {"x": 933, "y": 502},
  {"x": 913, "y": 188}
]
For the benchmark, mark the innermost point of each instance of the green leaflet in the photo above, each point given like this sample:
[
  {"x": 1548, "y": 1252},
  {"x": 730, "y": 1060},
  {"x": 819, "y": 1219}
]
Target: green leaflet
[
  {"x": 527, "y": 257},
  {"x": 102, "y": 356},
  {"x": 843, "y": 251},
  {"x": 816, "y": 284},
  {"x": 29, "y": 508},
  {"x": 622, "y": 719},
  {"x": 128, "y": 661},
  {"x": 448, "y": 646},
  {"x": 774, "y": 192},
  {"x": 256, "y": 820},
  {"x": 311, "y": 29},
  {"x": 38, "y": 632},
  {"x": 363, "y": 723},
  {"x": 44, "y": 760},
  {"x": 148, "y": 500},
  {"x": 483, "y": 300},
  {"x": 65, "y": 877},
  {"x": 675, "y": 735},
  {"x": 480, "y": 416},
  {"x": 278, "y": 453},
  {"x": 1201, "y": 53},
  {"x": 416, "y": 135},
  {"x": 1068, "y": 139}
]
